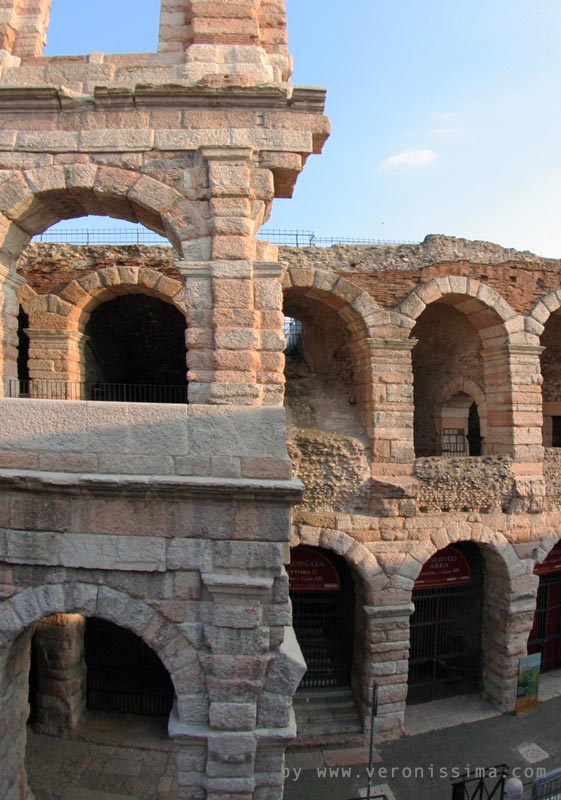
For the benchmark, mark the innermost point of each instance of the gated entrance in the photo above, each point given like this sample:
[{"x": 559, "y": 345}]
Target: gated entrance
[
  {"x": 322, "y": 594},
  {"x": 123, "y": 673},
  {"x": 545, "y": 636},
  {"x": 445, "y": 654}
]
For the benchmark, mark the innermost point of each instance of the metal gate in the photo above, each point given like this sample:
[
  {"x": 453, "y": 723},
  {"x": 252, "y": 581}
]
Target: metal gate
[
  {"x": 548, "y": 787},
  {"x": 324, "y": 626},
  {"x": 545, "y": 637},
  {"x": 123, "y": 673},
  {"x": 445, "y": 653}
]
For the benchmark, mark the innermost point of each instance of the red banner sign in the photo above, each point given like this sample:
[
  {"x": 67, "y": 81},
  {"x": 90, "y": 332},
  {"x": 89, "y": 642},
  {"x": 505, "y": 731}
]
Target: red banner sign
[
  {"x": 552, "y": 563},
  {"x": 311, "y": 571},
  {"x": 445, "y": 568}
]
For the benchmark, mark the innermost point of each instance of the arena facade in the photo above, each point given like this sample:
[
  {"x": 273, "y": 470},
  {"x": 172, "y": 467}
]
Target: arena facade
[{"x": 182, "y": 425}]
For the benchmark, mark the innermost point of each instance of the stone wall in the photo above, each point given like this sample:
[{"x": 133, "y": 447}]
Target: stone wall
[{"x": 484, "y": 484}]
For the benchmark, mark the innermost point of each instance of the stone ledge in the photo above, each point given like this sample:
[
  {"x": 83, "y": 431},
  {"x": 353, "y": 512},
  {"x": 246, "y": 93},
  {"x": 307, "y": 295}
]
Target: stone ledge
[{"x": 288, "y": 491}]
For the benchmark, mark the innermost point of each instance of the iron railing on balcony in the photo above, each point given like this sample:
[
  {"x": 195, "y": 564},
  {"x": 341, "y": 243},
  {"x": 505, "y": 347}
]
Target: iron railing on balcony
[
  {"x": 38, "y": 389},
  {"x": 141, "y": 236}
]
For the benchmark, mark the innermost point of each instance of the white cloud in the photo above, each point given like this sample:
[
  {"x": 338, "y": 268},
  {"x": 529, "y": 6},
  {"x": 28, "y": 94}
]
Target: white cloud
[{"x": 413, "y": 157}]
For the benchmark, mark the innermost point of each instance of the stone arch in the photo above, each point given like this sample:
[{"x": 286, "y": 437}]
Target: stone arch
[
  {"x": 358, "y": 557},
  {"x": 542, "y": 310},
  {"x": 33, "y": 200},
  {"x": 486, "y": 351},
  {"x": 360, "y": 312},
  {"x": 170, "y": 642},
  {"x": 544, "y": 548},
  {"x": 19, "y": 614},
  {"x": 489, "y": 313}
]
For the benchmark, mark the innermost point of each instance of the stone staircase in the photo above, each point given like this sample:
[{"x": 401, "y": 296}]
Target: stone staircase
[{"x": 327, "y": 716}]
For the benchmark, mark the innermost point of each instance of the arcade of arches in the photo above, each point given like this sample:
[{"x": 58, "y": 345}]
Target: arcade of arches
[{"x": 404, "y": 444}]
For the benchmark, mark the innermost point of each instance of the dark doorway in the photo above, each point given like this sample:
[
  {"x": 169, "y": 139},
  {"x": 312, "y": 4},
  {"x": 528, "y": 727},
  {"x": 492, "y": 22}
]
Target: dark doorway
[
  {"x": 322, "y": 594},
  {"x": 136, "y": 341},
  {"x": 23, "y": 349},
  {"x": 474, "y": 431},
  {"x": 545, "y": 636},
  {"x": 123, "y": 673},
  {"x": 445, "y": 654}
]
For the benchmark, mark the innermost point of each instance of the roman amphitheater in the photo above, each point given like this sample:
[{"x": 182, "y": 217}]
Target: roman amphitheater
[{"x": 241, "y": 481}]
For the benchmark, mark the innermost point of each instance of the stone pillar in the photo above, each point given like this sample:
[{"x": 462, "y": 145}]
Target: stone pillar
[
  {"x": 508, "y": 619},
  {"x": 61, "y": 672},
  {"x": 390, "y": 426},
  {"x": 253, "y": 666},
  {"x": 235, "y": 340},
  {"x": 10, "y": 283},
  {"x": 23, "y": 27},
  {"x": 386, "y": 661},
  {"x": 513, "y": 388},
  {"x": 14, "y": 691},
  {"x": 56, "y": 363}
]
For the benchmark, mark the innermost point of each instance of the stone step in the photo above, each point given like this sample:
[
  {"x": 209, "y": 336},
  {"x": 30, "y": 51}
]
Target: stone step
[{"x": 325, "y": 713}]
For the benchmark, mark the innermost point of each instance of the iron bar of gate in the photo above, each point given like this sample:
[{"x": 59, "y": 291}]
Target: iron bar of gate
[
  {"x": 475, "y": 788},
  {"x": 371, "y": 751},
  {"x": 38, "y": 389},
  {"x": 548, "y": 787}
]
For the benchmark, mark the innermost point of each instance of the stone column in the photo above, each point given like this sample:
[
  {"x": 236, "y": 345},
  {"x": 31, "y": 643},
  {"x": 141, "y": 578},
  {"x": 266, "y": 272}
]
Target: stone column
[
  {"x": 61, "y": 672},
  {"x": 253, "y": 665},
  {"x": 14, "y": 691},
  {"x": 391, "y": 425},
  {"x": 386, "y": 660},
  {"x": 10, "y": 283},
  {"x": 235, "y": 341},
  {"x": 56, "y": 363},
  {"x": 513, "y": 388},
  {"x": 508, "y": 619}
]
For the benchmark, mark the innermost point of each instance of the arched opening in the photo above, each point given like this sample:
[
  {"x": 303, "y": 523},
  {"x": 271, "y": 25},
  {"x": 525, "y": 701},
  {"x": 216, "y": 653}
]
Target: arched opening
[
  {"x": 449, "y": 351},
  {"x": 550, "y": 359},
  {"x": 446, "y": 626},
  {"x": 123, "y": 674},
  {"x": 135, "y": 351},
  {"x": 459, "y": 427},
  {"x": 322, "y": 592},
  {"x": 545, "y": 636}
]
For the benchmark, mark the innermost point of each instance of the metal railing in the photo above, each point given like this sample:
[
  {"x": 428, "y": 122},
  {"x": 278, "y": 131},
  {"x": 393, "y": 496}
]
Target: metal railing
[
  {"x": 98, "y": 391},
  {"x": 128, "y": 236},
  {"x": 486, "y": 784},
  {"x": 547, "y": 787},
  {"x": 99, "y": 236}
]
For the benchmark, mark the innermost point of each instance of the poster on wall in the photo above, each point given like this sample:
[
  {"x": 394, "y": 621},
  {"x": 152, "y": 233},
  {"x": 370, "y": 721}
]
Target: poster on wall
[
  {"x": 445, "y": 568},
  {"x": 528, "y": 684},
  {"x": 310, "y": 571}
]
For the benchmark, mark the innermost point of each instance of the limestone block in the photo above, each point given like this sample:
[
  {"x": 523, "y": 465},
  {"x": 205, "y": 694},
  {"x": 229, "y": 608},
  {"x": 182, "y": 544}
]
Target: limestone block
[
  {"x": 236, "y": 431},
  {"x": 287, "y": 668},
  {"x": 232, "y": 716},
  {"x": 138, "y": 553}
]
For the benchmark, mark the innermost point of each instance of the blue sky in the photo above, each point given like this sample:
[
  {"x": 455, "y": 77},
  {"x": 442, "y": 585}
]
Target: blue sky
[{"x": 445, "y": 113}]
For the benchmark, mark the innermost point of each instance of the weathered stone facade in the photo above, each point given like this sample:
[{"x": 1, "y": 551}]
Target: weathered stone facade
[
  {"x": 174, "y": 520},
  {"x": 169, "y": 520}
]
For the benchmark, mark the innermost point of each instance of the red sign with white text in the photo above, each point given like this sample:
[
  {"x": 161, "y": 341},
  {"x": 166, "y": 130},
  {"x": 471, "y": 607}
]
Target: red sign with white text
[
  {"x": 552, "y": 563},
  {"x": 311, "y": 571},
  {"x": 445, "y": 568}
]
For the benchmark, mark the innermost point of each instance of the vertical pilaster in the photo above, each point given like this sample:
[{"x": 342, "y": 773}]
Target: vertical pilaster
[
  {"x": 391, "y": 423},
  {"x": 513, "y": 388},
  {"x": 386, "y": 661},
  {"x": 10, "y": 283},
  {"x": 509, "y": 616},
  {"x": 56, "y": 363},
  {"x": 61, "y": 672}
]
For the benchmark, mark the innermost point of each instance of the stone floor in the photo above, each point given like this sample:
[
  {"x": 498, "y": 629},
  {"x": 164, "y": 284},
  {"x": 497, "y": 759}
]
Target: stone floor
[{"x": 118, "y": 758}]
